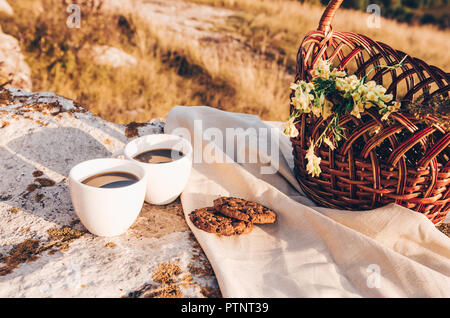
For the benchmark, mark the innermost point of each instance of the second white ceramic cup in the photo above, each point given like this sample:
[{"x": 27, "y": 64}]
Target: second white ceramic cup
[{"x": 165, "y": 181}]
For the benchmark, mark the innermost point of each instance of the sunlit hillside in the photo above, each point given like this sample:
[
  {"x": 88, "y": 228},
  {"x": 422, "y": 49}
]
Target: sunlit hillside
[{"x": 236, "y": 55}]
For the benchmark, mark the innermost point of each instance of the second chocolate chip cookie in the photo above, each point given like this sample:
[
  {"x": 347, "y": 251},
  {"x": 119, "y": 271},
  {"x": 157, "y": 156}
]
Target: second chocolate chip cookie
[{"x": 244, "y": 210}]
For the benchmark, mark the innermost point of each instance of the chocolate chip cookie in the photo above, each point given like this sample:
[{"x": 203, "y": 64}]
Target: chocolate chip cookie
[
  {"x": 244, "y": 210},
  {"x": 210, "y": 220}
]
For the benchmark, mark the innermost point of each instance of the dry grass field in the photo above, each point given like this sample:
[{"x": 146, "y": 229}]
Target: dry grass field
[{"x": 236, "y": 55}]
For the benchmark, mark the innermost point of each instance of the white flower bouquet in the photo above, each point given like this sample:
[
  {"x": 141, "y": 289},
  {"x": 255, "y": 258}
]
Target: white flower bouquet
[{"x": 330, "y": 95}]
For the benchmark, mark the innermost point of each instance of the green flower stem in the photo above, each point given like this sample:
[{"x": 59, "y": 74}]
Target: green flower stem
[
  {"x": 400, "y": 64},
  {"x": 324, "y": 132}
]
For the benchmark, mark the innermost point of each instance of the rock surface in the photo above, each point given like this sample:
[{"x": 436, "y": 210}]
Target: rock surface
[
  {"x": 108, "y": 55},
  {"x": 44, "y": 250},
  {"x": 6, "y": 8},
  {"x": 193, "y": 21},
  {"x": 118, "y": 5},
  {"x": 12, "y": 63}
]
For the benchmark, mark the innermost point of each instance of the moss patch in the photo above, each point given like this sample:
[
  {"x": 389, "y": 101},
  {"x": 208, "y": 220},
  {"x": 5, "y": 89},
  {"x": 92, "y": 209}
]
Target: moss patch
[
  {"x": 45, "y": 182},
  {"x": 166, "y": 273},
  {"x": 61, "y": 238},
  {"x": 37, "y": 173},
  {"x": 14, "y": 210},
  {"x": 24, "y": 252},
  {"x": 168, "y": 282},
  {"x": 5, "y": 97},
  {"x": 31, "y": 187},
  {"x": 209, "y": 292},
  {"x": 30, "y": 250},
  {"x": 38, "y": 197},
  {"x": 131, "y": 129}
]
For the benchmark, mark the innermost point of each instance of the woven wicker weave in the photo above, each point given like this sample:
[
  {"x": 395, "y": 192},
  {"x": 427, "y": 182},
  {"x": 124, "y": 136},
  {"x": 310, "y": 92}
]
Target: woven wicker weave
[{"x": 406, "y": 162}]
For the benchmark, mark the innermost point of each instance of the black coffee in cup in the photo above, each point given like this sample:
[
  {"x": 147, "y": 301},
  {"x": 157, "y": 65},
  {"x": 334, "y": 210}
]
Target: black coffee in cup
[
  {"x": 114, "y": 179},
  {"x": 159, "y": 156}
]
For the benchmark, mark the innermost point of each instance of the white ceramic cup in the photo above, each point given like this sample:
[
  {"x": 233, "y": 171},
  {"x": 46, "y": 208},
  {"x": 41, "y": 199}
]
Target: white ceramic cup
[
  {"x": 107, "y": 211},
  {"x": 165, "y": 181}
]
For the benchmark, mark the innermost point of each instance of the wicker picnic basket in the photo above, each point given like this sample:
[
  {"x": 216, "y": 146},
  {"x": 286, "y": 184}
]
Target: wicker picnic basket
[{"x": 406, "y": 162}]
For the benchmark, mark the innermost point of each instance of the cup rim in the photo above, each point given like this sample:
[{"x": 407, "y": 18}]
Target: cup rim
[
  {"x": 171, "y": 136},
  {"x": 77, "y": 182}
]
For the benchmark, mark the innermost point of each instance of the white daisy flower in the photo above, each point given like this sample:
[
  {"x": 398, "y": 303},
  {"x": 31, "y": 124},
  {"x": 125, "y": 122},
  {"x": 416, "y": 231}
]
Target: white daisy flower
[
  {"x": 321, "y": 69},
  {"x": 329, "y": 143},
  {"x": 313, "y": 165},
  {"x": 290, "y": 129}
]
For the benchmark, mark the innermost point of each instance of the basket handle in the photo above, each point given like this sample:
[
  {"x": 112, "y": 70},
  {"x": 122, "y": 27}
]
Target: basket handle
[{"x": 328, "y": 15}]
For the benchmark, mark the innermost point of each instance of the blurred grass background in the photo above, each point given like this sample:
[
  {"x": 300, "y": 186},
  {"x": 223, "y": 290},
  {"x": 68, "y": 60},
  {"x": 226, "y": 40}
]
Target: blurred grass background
[{"x": 251, "y": 76}]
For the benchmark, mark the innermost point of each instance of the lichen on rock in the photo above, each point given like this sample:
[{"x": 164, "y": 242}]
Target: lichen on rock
[{"x": 26, "y": 251}]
